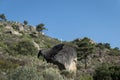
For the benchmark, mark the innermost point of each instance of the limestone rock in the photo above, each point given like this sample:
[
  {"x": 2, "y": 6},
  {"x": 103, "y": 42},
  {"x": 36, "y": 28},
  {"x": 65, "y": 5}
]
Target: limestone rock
[
  {"x": 21, "y": 28},
  {"x": 32, "y": 29},
  {"x": 16, "y": 33},
  {"x": 8, "y": 28},
  {"x": 36, "y": 45},
  {"x": 34, "y": 34}
]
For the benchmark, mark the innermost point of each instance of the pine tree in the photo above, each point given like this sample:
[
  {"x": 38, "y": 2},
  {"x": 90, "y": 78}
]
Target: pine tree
[
  {"x": 3, "y": 17},
  {"x": 40, "y": 27},
  {"x": 85, "y": 48}
]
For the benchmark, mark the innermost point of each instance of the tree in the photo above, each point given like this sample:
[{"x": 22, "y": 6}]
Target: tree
[
  {"x": 25, "y": 22},
  {"x": 101, "y": 47},
  {"x": 107, "y": 45},
  {"x": 3, "y": 17},
  {"x": 116, "y": 48},
  {"x": 85, "y": 48},
  {"x": 114, "y": 52},
  {"x": 40, "y": 27}
]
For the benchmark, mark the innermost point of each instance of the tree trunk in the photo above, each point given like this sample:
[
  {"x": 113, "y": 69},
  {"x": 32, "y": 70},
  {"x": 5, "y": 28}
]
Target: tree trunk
[{"x": 85, "y": 62}]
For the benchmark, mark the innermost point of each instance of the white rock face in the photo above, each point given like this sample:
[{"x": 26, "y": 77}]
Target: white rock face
[
  {"x": 16, "y": 33},
  {"x": 21, "y": 28},
  {"x": 9, "y": 28},
  {"x": 72, "y": 66},
  {"x": 36, "y": 45}
]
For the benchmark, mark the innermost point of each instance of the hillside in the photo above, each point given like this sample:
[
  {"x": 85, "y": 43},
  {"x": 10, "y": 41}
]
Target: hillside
[{"x": 19, "y": 46}]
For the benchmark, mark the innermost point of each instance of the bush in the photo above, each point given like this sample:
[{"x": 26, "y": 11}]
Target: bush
[
  {"x": 3, "y": 76},
  {"x": 26, "y": 47},
  {"x": 6, "y": 65},
  {"x": 25, "y": 73},
  {"x": 1, "y": 26},
  {"x": 85, "y": 77},
  {"x": 107, "y": 72},
  {"x": 15, "y": 26},
  {"x": 3, "y": 45},
  {"x": 67, "y": 74},
  {"x": 52, "y": 74},
  {"x": 114, "y": 52}
]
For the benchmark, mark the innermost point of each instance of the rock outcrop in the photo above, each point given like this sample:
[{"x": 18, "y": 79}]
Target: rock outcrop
[
  {"x": 36, "y": 45},
  {"x": 63, "y": 55}
]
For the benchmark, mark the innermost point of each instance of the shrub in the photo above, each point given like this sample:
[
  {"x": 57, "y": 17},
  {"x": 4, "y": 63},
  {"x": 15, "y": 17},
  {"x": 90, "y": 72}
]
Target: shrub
[
  {"x": 107, "y": 72},
  {"x": 26, "y": 47},
  {"x": 3, "y": 45},
  {"x": 114, "y": 52},
  {"x": 85, "y": 77},
  {"x": 3, "y": 76},
  {"x": 52, "y": 74},
  {"x": 1, "y": 26},
  {"x": 6, "y": 65},
  {"x": 15, "y": 26},
  {"x": 25, "y": 73},
  {"x": 68, "y": 74}
]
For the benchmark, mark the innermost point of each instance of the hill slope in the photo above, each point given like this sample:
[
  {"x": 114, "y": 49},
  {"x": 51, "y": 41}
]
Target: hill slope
[{"x": 19, "y": 45}]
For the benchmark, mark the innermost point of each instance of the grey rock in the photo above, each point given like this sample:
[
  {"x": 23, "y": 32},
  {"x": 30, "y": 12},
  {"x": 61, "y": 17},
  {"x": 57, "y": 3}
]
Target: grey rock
[{"x": 63, "y": 55}]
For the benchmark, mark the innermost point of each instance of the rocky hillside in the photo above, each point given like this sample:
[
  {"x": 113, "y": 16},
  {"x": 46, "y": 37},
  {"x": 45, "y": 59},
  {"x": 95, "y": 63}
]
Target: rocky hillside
[{"x": 19, "y": 46}]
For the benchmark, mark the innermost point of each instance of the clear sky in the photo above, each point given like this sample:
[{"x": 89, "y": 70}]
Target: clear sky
[{"x": 69, "y": 19}]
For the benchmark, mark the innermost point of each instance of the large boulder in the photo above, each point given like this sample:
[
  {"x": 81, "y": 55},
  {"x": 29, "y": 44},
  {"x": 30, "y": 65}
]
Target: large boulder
[{"x": 63, "y": 55}]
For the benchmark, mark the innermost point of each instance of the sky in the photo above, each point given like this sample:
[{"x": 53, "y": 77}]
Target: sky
[{"x": 69, "y": 19}]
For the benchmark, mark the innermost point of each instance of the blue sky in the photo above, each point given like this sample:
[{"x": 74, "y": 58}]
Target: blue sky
[{"x": 69, "y": 19}]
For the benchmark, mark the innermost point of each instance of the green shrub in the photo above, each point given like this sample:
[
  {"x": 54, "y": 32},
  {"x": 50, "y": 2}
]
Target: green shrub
[
  {"x": 3, "y": 76},
  {"x": 68, "y": 74},
  {"x": 15, "y": 26},
  {"x": 3, "y": 45},
  {"x": 25, "y": 73},
  {"x": 52, "y": 74},
  {"x": 107, "y": 72},
  {"x": 11, "y": 49},
  {"x": 85, "y": 77},
  {"x": 6, "y": 65},
  {"x": 26, "y": 47},
  {"x": 114, "y": 52},
  {"x": 1, "y": 26}
]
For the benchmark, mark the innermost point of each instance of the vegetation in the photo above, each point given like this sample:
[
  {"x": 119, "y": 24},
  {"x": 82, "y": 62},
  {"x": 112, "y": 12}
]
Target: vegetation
[
  {"x": 115, "y": 52},
  {"x": 40, "y": 27},
  {"x": 26, "y": 48},
  {"x": 7, "y": 65},
  {"x": 3, "y": 17},
  {"x": 15, "y": 26},
  {"x": 25, "y": 73},
  {"x": 25, "y": 22},
  {"x": 100, "y": 47},
  {"x": 107, "y": 72},
  {"x": 84, "y": 47},
  {"x": 18, "y": 56},
  {"x": 86, "y": 77},
  {"x": 52, "y": 74}
]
